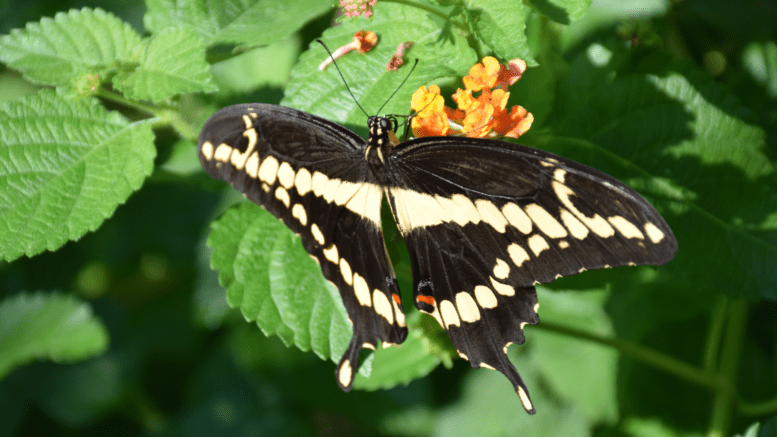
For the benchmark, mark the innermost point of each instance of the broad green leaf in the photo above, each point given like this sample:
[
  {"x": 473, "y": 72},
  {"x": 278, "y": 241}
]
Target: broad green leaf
[
  {"x": 273, "y": 281},
  {"x": 442, "y": 53},
  {"x": 57, "y": 51},
  {"x": 399, "y": 365},
  {"x": 579, "y": 372},
  {"x": 49, "y": 326},
  {"x": 252, "y": 22},
  {"x": 501, "y": 25},
  {"x": 65, "y": 165},
  {"x": 488, "y": 406},
  {"x": 689, "y": 146},
  {"x": 173, "y": 62},
  {"x": 561, "y": 11}
]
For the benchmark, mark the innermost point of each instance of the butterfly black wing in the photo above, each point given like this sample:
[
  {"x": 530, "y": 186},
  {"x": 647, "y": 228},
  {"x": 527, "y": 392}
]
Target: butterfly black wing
[
  {"x": 312, "y": 175},
  {"x": 485, "y": 220}
]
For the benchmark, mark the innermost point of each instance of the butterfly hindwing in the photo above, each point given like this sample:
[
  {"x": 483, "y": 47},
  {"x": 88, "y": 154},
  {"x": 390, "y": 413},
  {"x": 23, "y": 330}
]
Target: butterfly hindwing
[
  {"x": 485, "y": 220},
  {"x": 312, "y": 175}
]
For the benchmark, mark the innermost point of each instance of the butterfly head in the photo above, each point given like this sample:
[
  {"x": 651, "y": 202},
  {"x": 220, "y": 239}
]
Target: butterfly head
[{"x": 382, "y": 132}]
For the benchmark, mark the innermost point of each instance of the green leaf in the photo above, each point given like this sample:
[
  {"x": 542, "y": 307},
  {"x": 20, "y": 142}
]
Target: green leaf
[
  {"x": 579, "y": 372},
  {"x": 399, "y": 365},
  {"x": 225, "y": 21},
  {"x": 689, "y": 146},
  {"x": 444, "y": 53},
  {"x": 561, "y": 11},
  {"x": 760, "y": 60},
  {"x": 273, "y": 281},
  {"x": 489, "y": 397},
  {"x": 501, "y": 25},
  {"x": 65, "y": 165},
  {"x": 47, "y": 326},
  {"x": 58, "y": 51},
  {"x": 173, "y": 62}
]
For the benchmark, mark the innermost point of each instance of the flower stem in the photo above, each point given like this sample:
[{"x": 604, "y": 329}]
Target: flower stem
[{"x": 648, "y": 356}]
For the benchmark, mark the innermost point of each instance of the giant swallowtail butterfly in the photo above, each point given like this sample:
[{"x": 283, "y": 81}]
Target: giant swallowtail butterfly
[{"x": 484, "y": 221}]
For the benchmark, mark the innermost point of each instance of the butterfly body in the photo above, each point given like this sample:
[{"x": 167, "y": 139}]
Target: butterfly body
[{"x": 484, "y": 221}]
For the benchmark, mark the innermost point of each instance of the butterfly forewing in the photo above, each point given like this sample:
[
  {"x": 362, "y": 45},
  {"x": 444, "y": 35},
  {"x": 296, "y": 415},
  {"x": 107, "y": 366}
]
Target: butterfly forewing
[{"x": 312, "y": 175}]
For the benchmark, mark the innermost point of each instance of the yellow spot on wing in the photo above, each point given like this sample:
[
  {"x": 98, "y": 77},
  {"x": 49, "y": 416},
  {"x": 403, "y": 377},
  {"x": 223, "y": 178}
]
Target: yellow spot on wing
[
  {"x": 501, "y": 269},
  {"x": 207, "y": 150},
  {"x": 503, "y": 289},
  {"x": 318, "y": 183},
  {"x": 625, "y": 227},
  {"x": 239, "y": 159},
  {"x": 449, "y": 314},
  {"x": 537, "y": 244},
  {"x": 400, "y": 315},
  {"x": 222, "y": 152},
  {"x": 517, "y": 218},
  {"x": 653, "y": 233},
  {"x": 302, "y": 181},
  {"x": 468, "y": 309},
  {"x": 268, "y": 170},
  {"x": 345, "y": 270},
  {"x": 346, "y": 191},
  {"x": 366, "y": 202},
  {"x": 382, "y": 306},
  {"x": 298, "y": 212},
  {"x": 331, "y": 189},
  {"x": 485, "y": 297},
  {"x": 361, "y": 290},
  {"x": 576, "y": 228},
  {"x": 283, "y": 195},
  {"x": 545, "y": 222},
  {"x": 491, "y": 214},
  {"x": 345, "y": 373},
  {"x": 518, "y": 254},
  {"x": 286, "y": 175},
  {"x": 252, "y": 165},
  {"x": 596, "y": 223},
  {"x": 317, "y": 235},
  {"x": 525, "y": 399},
  {"x": 330, "y": 253}
]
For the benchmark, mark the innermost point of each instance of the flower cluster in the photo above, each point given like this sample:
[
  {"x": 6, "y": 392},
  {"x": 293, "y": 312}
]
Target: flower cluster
[
  {"x": 354, "y": 8},
  {"x": 483, "y": 116}
]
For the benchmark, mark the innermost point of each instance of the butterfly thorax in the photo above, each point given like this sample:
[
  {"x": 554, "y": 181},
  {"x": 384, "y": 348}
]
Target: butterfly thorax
[{"x": 379, "y": 144}]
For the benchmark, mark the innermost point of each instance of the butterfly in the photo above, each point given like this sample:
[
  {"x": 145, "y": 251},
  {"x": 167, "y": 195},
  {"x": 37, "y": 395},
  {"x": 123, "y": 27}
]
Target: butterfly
[{"x": 484, "y": 222}]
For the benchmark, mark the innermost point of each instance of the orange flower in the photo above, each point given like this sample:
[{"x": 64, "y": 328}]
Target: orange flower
[
  {"x": 511, "y": 74},
  {"x": 430, "y": 120},
  {"x": 483, "y": 116},
  {"x": 514, "y": 124},
  {"x": 483, "y": 75}
]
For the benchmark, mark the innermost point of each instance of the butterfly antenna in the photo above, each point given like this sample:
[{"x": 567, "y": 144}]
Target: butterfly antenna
[
  {"x": 343, "y": 78},
  {"x": 400, "y": 85}
]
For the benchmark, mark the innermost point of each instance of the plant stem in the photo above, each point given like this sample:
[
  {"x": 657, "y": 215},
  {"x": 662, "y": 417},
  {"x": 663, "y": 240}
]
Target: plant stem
[
  {"x": 118, "y": 98},
  {"x": 758, "y": 408},
  {"x": 717, "y": 323},
  {"x": 730, "y": 356},
  {"x": 648, "y": 356}
]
